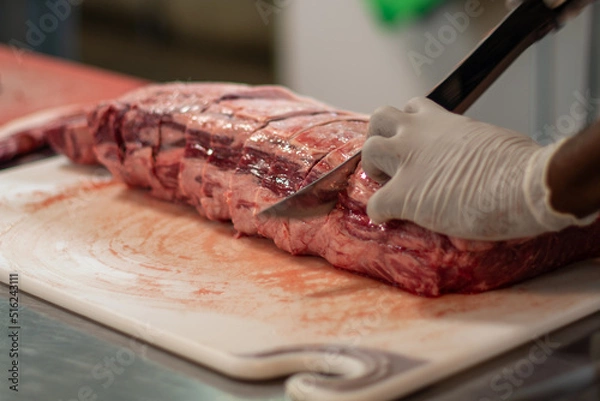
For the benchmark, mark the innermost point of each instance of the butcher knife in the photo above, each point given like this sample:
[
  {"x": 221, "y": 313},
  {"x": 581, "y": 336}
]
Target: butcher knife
[{"x": 525, "y": 25}]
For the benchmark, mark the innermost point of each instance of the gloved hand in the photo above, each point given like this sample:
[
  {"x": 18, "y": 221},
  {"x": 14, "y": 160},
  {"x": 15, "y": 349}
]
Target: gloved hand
[{"x": 457, "y": 176}]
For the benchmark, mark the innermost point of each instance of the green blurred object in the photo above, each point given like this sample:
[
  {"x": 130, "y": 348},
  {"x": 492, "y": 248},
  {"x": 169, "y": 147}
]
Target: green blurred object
[{"x": 394, "y": 11}]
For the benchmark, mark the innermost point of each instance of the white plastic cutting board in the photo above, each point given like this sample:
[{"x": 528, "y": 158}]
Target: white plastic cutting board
[{"x": 241, "y": 306}]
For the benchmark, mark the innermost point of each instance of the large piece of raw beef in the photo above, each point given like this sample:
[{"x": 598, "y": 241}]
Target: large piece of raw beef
[{"x": 230, "y": 150}]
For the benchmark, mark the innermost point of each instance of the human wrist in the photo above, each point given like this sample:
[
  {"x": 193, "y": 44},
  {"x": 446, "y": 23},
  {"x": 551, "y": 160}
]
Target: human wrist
[{"x": 539, "y": 193}]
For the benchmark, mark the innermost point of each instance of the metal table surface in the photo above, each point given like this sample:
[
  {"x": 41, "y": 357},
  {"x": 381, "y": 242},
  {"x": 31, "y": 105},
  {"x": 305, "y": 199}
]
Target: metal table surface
[{"x": 65, "y": 357}]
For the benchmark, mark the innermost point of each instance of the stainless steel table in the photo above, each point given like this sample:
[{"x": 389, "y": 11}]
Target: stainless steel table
[{"x": 63, "y": 356}]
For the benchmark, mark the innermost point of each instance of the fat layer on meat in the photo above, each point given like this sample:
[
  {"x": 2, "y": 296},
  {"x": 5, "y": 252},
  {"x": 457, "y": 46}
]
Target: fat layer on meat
[{"x": 230, "y": 150}]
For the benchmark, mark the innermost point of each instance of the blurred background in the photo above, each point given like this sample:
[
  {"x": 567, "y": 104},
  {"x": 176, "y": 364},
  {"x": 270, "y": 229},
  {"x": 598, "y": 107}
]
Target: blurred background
[{"x": 355, "y": 54}]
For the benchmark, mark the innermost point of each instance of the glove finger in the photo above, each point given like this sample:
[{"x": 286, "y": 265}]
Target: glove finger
[
  {"x": 419, "y": 104},
  {"x": 379, "y": 158},
  {"x": 386, "y": 121},
  {"x": 387, "y": 203}
]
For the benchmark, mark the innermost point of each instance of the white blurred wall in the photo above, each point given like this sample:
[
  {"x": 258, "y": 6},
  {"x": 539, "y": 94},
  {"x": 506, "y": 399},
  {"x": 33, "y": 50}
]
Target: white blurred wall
[{"x": 337, "y": 51}]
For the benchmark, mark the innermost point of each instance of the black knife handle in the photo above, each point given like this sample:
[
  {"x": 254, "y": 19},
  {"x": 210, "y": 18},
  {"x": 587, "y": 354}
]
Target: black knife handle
[{"x": 524, "y": 26}]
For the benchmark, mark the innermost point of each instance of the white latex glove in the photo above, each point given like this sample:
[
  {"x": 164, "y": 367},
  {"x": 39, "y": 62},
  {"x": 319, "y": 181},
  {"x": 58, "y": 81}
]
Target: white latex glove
[{"x": 457, "y": 176}]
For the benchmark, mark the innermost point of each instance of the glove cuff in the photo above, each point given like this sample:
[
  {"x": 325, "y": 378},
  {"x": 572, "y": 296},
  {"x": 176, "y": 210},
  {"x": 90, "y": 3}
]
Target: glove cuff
[{"x": 537, "y": 192}]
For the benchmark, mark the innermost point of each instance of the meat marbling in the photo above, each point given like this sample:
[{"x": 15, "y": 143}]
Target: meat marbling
[{"x": 229, "y": 150}]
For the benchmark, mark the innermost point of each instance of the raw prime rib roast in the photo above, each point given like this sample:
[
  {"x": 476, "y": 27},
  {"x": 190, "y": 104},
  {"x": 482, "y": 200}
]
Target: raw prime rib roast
[{"x": 230, "y": 150}]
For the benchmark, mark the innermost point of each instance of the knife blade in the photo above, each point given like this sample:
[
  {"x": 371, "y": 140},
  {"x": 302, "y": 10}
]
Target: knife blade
[{"x": 524, "y": 26}]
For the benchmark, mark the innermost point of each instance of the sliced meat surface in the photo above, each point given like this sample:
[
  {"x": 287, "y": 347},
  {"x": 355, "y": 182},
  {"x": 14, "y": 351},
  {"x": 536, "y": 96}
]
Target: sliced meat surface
[
  {"x": 65, "y": 128},
  {"x": 229, "y": 150}
]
